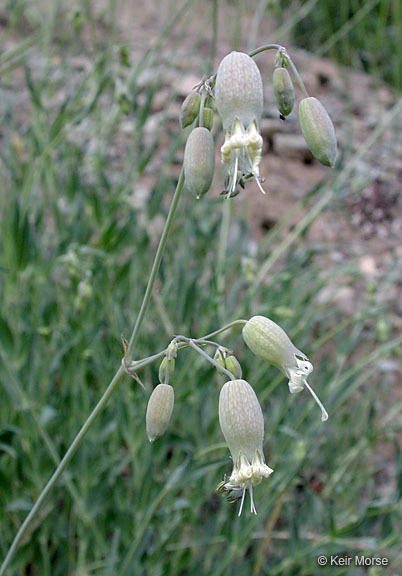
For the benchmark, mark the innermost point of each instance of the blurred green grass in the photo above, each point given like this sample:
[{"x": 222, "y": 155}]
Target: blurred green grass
[
  {"x": 75, "y": 254},
  {"x": 363, "y": 34}
]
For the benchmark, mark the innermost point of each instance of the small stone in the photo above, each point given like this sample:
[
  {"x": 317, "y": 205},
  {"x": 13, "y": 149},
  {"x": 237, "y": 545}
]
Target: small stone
[
  {"x": 368, "y": 266},
  {"x": 292, "y": 146}
]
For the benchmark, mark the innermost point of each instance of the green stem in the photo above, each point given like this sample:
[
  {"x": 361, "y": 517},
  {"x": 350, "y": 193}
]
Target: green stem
[
  {"x": 60, "y": 468},
  {"x": 214, "y": 18},
  {"x": 285, "y": 54},
  {"x": 222, "y": 250},
  {"x": 297, "y": 76},
  {"x": 200, "y": 351},
  {"x": 109, "y": 390},
  {"x": 27, "y": 404},
  {"x": 146, "y": 361},
  {"x": 264, "y": 48},
  {"x": 155, "y": 266},
  {"x": 201, "y": 112}
]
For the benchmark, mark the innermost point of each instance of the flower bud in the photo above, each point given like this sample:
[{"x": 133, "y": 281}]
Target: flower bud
[
  {"x": 166, "y": 368},
  {"x": 283, "y": 90},
  {"x": 190, "y": 108},
  {"x": 159, "y": 411},
  {"x": 233, "y": 365},
  {"x": 238, "y": 90},
  {"x": 208, "y": 118},
  {"x": 199, "y": 161},
  {"x": 318, "y": 130}
]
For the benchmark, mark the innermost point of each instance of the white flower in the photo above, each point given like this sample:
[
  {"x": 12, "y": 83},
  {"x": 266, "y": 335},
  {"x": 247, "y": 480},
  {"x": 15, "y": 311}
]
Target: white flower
[
  {"x": 242, "y": 424},
  {"x": 270, "y": 342},
  {"x": 239, "y": 100}
]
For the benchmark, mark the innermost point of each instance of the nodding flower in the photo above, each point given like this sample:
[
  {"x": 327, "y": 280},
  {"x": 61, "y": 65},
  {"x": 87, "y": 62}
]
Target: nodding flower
[
  {"x": 242, "y": 424},
  {"x": 239, "y": 100},
  {"x": 270, "y": 342}
]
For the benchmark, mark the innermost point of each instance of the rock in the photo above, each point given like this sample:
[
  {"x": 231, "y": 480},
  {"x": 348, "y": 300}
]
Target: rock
[
  {"x": 368, "y": 266},
  {"x": 292, "y": 146}
]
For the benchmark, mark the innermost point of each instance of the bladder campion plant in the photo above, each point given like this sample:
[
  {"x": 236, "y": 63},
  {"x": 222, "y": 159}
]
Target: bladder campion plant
[{"x": 237, "y": 91}]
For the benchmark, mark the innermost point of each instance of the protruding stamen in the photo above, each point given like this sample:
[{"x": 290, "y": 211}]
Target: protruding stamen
[
  {"x": 234, "y": 179},
  {"x": 324, "y": 413},
  {"x": 259, "y": 185},
  {"x": 252, "y": 509},
  {"x": 242, "y": 500}
]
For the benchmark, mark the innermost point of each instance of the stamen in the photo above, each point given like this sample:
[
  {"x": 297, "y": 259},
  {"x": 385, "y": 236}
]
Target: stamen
[
  {"x": 324, "y": 413},
  {"x": 253, "y": 510},
  {"x": 242, "y": 500},
  {"x": 234, "y": 180},
  {"x": 259, "y": 184}
]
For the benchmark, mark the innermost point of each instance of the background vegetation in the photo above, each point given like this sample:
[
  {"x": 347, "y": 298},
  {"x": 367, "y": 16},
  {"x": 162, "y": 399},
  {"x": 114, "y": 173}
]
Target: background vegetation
[
  {"x": 358, "y": 33},
  {"x": 75, "y": 254}
]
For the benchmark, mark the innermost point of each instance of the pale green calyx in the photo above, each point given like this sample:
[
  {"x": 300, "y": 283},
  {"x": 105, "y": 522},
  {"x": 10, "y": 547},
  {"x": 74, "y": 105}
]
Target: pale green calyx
[
  {"x": 239, "y": 100},
  {"x": 318, "y": 130},
  {"x": 159, "y": 411},
  {"x": 242, "y": 424},
  {"x": 199, "y": 161},
  {"x": 270, "y": 342},
  {"x": 238, "y": 90}
]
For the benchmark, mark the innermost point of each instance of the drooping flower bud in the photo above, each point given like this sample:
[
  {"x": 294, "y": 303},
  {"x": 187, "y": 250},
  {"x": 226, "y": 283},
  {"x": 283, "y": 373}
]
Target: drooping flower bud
[
  {"x": 224, "y": 358},
  {"x": 159, "y": 411},
  {"x": 318, "y": 130},
  {"x": 199, "y": 161},
  {"x": 166, "y": 369},
  {"x": 233, "y": 365},
  {"x": 242, "y": 424},
  {"x": 190, "y": 108},
  {"x": 167, "y": 365},
  {"x": 283, "y": 90},
  {"x": 219, "y": 357},
  {"x": 270, "y": 342},
  {"x": 238, "y": 90},
  {"x": 208, "y": 118}
]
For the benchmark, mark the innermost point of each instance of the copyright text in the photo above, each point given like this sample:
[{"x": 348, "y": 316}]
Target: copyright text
[{"x": 352, "y": 561}]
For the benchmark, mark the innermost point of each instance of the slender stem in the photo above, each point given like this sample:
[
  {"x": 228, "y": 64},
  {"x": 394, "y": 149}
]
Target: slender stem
[
  {"x": 222, "y": 250},
  {"x": 135, "y": 366},
  {"x": 297, "y": 76},
  {"x": 60, "y": 468},
  {"x": 156, "y": 264},
  {"x": 214, "y": 39},
  {"x": 201, "y": 112},
  {"x": 109, "y": 390},
  {"x": 203, "y": 342},
  {"x": 285, "y": 54},
  {"x": 28, "y": 405},
  {"x": 264, "y": 48},
  {"x": 224, "y": 328},
  {"x": 194, "y": 346}
]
